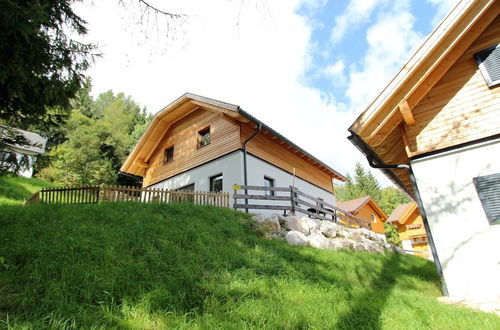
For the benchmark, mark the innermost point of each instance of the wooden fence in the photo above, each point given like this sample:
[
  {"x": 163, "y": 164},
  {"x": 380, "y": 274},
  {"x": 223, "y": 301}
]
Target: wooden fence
[
  {"x": 96, "y": 194},
  {"x": 293, "y": 200}
]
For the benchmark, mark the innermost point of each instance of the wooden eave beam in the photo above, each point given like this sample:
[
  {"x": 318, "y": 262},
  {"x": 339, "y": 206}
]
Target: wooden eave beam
[
  {"x": 428, "y": 73},
  {"x": 157, "y": 142},
  {"x": 141, "y": 163},
  {"x": 405, "y": 110}
]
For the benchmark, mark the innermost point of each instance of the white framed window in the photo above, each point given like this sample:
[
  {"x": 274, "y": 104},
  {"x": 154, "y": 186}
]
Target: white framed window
[
  {"x": 374, "y": 218},
  {"x": 268, "y": 182}
]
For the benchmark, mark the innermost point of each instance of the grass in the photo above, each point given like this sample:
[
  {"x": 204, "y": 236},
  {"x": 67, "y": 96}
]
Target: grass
[
  {"x": 151, "y": 266},
  {"x": 14, "y": 190}
]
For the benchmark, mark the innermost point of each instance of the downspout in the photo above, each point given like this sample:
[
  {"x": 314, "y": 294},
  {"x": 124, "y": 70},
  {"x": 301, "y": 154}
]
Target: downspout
[
  {"x": 259, "y": 128},
  {"x": 437, "y": 263}
]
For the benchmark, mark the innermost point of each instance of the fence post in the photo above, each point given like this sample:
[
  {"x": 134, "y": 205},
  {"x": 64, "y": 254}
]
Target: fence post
[{"x": 292, "y": 197}]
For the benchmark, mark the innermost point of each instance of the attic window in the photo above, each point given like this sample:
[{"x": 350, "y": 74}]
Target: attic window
[
  {"x": 169, "y": 155},
  {"x": 488, "y": 189},
  {"x": 488, "y": 61},
  {"x": 204, "y": 137}
]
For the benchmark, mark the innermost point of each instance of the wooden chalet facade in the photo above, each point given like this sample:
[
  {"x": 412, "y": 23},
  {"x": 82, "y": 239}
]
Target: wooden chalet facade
[
  {"x": 411, "y": 230},
  {"x": 366, "y": 208},
  {"x": 197, "y": 143},
  {"x": 435, "y": 132}
]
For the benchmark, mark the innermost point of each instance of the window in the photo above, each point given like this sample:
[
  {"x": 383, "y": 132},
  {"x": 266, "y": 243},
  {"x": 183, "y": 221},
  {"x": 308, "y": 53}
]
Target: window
[
  {"x": 268, "y": 182},
  {"x": 216, "y": 183},
  {"x": 204, "y": 137},
  {"x": 189, "y": 187},
  {"x": 169, "y": 155},
  {"x": 488, "y": 61},
  {"x": 374, "y": 218},
  {"x": 488, "y": 189}
]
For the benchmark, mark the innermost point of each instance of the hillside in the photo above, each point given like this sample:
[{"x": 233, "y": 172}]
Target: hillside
[
  {"x": 157, "y": 266},
  {"x": 14, "y": 190}
]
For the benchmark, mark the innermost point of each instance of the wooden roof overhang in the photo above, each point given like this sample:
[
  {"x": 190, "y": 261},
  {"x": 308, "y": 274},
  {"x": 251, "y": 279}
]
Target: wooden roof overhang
[
  {"x": 380, "y": 131},
  {"x": 138, "y": 160}
]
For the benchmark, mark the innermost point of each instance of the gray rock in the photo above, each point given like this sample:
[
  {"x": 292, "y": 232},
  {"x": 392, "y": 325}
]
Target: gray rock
[
  {"x": 296, "y": 238},
  {"x": 300, "y": 224},
  {"x": 318, "y": 241},
  {"x": 329, "y": 229},
  {"x": 269, "y": 221},
  {"x": 341, "y": 244}
]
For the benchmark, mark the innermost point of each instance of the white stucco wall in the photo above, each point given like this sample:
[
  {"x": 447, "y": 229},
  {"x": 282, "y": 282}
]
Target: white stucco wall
[
  {"x": 467, "y": 245},
  {"x": 230, "y": 166},
  {"x": 257, "y": 169}
]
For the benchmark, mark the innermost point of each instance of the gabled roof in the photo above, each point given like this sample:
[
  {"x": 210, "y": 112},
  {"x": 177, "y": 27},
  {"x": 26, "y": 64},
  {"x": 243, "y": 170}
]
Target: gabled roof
[
  {"x": 402, "y": 212},
  {"x": 183, "y": 106},
  {"x": 354, "y": 205},
  {"x": 36, "y": 143},
  {"x": 375, "y": 131}
]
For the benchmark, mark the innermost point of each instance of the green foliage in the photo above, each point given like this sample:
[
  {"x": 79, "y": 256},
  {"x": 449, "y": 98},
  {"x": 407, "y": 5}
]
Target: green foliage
[
  {"x": 40, "y": 65},
  {"x": 392, "y": 197},
  {"x": 364, "y": 184},
  {"x": 156, "y": 266},
  {"x": 99, "y": 135},
  {"x": 14, "y": 190},
  {"x": 391, "y": 232}
]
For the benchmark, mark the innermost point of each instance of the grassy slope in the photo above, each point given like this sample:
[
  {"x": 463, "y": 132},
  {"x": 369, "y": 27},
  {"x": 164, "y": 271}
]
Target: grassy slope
[
  {"x": 181, "y": 266},
  {"x": 14, "y": 190}
]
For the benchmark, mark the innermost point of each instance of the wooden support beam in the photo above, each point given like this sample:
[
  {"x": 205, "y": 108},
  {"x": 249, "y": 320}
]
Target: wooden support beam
[
  {"x": 405, "y": 110},
  {"x": 402, "y": 129},
  {"x": 140, "y": 162},
  {"x": 157, "y": 140}
]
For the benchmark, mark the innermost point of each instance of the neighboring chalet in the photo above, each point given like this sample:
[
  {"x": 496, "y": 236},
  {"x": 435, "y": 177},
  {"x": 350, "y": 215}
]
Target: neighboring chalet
[
  {"x": 411, "y": 230},
  {"x": 366, "y": 208},
  {"x": 199, "y": 144},
  {"x": 435, "y": 132},
  {"x": 20, "y": 157}
]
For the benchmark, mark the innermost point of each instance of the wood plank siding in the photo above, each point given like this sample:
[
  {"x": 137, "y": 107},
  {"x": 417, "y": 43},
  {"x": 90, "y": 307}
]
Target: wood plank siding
[
  {"x": 183, "y": 136},
  {"x": 269, "y": 148},
  {"x": 460, "y": 107}
]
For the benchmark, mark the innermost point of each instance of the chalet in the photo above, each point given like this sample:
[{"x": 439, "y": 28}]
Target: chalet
[
  {"x": 366, "y": 208},
  {"x": 197, "y": 143},
  {"x": 435, "y": 132},
  {"x": 20, "y": 157},
  {"x": 407, "y": 219}
]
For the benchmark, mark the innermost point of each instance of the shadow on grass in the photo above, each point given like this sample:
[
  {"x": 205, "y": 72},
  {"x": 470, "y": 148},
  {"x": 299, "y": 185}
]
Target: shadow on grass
[{"x": 110, "y": 265}]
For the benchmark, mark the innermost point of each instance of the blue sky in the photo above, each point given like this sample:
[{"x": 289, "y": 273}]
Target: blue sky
[{"x": 307, "y": 68}]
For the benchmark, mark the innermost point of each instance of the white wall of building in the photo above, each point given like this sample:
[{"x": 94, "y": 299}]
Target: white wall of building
[
  {"x": 258, "y": 168},
  {"x": 468, "y": 246},
  {"x": 230, "y": 166}
]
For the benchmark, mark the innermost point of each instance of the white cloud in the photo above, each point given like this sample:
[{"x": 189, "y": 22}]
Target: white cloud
[
  {"x": 391, "y": 41},
  {"x": 356, "y": 12},
  {"x": 443, "y": 7}
]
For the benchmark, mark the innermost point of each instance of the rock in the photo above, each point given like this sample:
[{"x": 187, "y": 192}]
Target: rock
[
  {"x": 318, "y": 241},
  {"x": 281, "y": 218},
  {"x": 340, "y": 244},
  {"x": 296, "y": 238},
  {"x": 328, "y": 229},
  {"x": 344, "y": 232},
  {"x": 269, "y": 221},
  {"x": 301, "y": 224}
]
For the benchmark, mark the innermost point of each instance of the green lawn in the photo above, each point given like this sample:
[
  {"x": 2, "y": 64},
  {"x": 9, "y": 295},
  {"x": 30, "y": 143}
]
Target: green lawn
[
  {"x": 14, "y": 190},
  {"x": 151, "y": 266}
]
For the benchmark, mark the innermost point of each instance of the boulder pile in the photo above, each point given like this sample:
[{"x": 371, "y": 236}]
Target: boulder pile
[{"x": 322, "y": 234}]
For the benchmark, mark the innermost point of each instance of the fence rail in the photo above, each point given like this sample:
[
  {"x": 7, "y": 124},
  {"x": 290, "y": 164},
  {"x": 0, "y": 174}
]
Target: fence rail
[
  {"x": 294, "y": 201},
  {"x": 96, "y": 194}
]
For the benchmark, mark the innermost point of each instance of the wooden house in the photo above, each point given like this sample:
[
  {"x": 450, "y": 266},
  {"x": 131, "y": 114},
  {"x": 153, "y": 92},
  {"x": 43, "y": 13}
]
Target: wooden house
[
  {"x": 197, "y": 143},
  {"x": 435, "y": 132},
  {"x": 20, "y": 157},
  {"x": 411, "y": 230},
  {"x": 366, "y": 208}
]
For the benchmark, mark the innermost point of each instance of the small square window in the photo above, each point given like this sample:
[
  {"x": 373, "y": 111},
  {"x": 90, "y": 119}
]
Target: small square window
[
  {"x": 374, "y": 218},
  {"x": 268, "y": 182},
  {"x": 169, "y": 155},
  {"x": 488, "y": 61},
  {"x": 204, "y": 138},
  {"x": 216, "y": 183},
  {"x": 488, "y": 189}
]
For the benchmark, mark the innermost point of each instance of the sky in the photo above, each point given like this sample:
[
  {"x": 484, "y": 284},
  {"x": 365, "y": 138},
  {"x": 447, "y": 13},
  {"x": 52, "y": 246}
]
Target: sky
[{"x": 306, "y": 68}]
